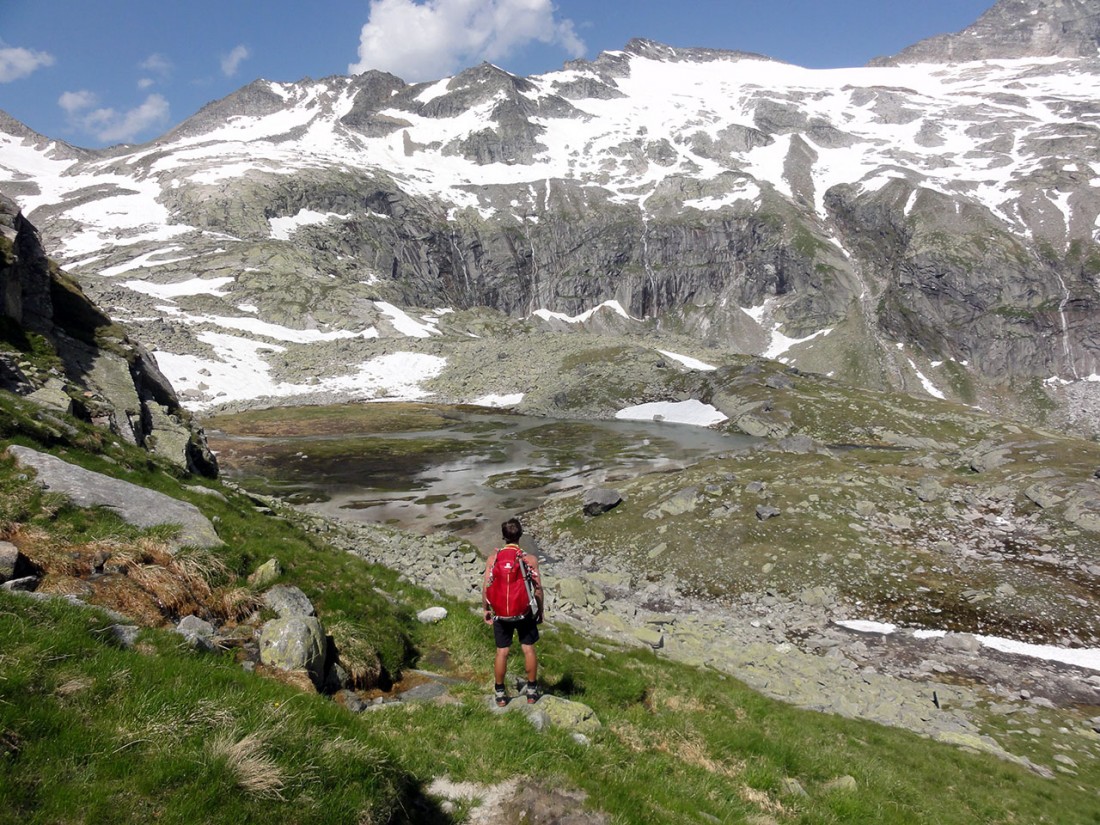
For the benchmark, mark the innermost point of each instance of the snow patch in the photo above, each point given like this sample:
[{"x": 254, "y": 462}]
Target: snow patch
[
  {"x": 283, "y": 228},
  {"x": 194, "y": 286},
  {"x": 691, "y": 412},
  {"x": 1088, "y": 658},
  {"x": 500, "y": 401},
  {"x": 929, "y": 387},
  {"x": 688, "y": 361},
  {"x": 614, "y": 306},
  {"x": 407, "y": 325}
]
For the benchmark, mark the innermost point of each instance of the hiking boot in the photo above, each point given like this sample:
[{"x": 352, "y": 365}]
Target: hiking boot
[
  {"x": 501, "y": 696},
  {"x": 532, "y": 692}
]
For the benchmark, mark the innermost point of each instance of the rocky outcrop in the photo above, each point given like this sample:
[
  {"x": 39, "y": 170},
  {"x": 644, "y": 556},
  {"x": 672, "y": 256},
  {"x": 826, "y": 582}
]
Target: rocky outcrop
[
  {"x": 86, "y": 365},
  {"x": 134, "y": 505},
  {"x": 1015, "y": 28}
]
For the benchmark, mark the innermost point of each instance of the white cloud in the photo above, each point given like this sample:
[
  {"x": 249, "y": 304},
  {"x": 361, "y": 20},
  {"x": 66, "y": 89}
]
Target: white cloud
[
  {"x": 75, "y": 102},
  {"x": 110, "y": 125},
  {"x": 157, "y": 64},
  {"x": 427, "y": 40},
  {"x": 232, "y": 61},
  {"x": 17, "y": 62}
]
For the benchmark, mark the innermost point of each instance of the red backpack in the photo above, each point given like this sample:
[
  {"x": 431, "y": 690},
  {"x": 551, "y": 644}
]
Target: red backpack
[{"x": 510, "y": 590}]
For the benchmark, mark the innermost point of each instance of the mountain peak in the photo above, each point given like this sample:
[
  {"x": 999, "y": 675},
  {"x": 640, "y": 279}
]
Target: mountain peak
[{"x": 1015, "y": 29}]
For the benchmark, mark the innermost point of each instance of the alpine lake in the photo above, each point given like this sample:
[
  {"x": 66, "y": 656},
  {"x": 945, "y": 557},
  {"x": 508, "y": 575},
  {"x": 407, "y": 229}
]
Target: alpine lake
[{"x": 430, "y": 468}]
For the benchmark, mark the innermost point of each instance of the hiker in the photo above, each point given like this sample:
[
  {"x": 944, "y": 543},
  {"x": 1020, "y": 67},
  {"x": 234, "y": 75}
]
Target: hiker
[{"x": 511, "y": 594}]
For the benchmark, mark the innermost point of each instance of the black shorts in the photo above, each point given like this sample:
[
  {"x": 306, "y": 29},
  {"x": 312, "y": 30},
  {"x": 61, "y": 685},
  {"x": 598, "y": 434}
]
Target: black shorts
[{"x": 526, "y": 628}]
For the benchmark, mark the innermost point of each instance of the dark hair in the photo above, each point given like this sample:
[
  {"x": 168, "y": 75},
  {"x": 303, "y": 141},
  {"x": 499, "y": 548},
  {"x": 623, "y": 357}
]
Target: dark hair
[{"x": 511, "y": 530}]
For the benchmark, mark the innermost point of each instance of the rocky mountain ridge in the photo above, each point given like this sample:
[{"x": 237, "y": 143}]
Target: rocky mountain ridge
[
  {"x": 86, "y": 365},
  {"x": 930, "y": 227},
  {"x": 1015, "y": 28}
]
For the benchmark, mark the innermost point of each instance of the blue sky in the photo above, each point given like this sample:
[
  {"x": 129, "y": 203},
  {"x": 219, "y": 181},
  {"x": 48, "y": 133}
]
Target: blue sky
[{"x": 111, "y": 71}]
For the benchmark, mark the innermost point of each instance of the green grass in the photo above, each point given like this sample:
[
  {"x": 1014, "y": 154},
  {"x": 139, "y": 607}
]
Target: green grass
[{"x": 94, "y": 732}]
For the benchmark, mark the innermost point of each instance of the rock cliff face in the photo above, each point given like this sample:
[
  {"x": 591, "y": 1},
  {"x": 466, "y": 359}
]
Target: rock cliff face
[
  {"x": 1016, "y": 28},
  {"x": 932, "y": 221},
  {"x": 87, "y": 365}
]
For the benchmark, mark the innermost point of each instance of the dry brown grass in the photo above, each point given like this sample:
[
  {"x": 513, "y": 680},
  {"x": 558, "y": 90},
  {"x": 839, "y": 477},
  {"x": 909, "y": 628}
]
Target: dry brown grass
[
  {"x": 166, "y": 587},
  {"x": 73, "y": 687},
  {"x": 63, "y": 585},
  {"x": 233, "y": 604},
  {"x": 762, "y": 800},
  {"x": 357, "y": 656},
  {"x": 255, "y": 771},
  {"x": 167, "y": 724},
  {"x": 42, "y": 550},
  {"x": 121, "y": 594}
]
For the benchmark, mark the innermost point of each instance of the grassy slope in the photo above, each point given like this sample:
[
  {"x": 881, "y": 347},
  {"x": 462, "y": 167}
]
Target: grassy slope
[{"x": 91, "y": 731}]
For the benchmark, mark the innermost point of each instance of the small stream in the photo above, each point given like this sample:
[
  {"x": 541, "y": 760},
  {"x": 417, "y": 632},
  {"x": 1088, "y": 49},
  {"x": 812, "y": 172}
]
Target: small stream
[{"x": 465, "y": 477}]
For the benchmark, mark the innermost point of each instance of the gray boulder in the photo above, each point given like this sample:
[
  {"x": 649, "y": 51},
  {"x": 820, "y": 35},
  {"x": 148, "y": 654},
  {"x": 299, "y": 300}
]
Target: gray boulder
[
  {"x": 25, "y": 584},
  {"x": 199, "y": 633},
  {"x": 9, "y": 560},
  {"x": 295, "y": 643},
  {"x": 288, "y": 601},
  {"x": 135, "y": 505},
  {"x": 432, "y": 615},
  {"x": 600, "y": 500},
  {"x": 765, "y": 512},
  {"x": 266, "y": 573},
  {"x": 125, "y": 634}
]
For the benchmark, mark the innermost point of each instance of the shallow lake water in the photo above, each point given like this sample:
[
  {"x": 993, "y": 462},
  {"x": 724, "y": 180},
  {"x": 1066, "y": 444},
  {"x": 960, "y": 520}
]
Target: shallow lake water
[{"x": 466, "y": 476}]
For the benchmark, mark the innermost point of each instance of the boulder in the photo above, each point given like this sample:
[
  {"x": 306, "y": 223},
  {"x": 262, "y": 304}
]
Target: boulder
[
  {"x": 9, "y": 561},
  {"x": 765, "y": 512},
  {"x": 288, "y": 600},
  {"x": 198, "y": 632},
  {"x": 25, "y": 584},
  {"x": 135, "y": 505},
  {"x": 574, "y": 717},
  {"x": 432, "y": 615},
  {"x": 601, "y": 499},
  {"x": 266, "y": 573},
  {"x": 575, "y": 592},
  {"x": 125, "y": 634},
  {"x": 650, "y": 636},
  {"x": 846, "y": 784},
  {"x": 295, "y": 643}
]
